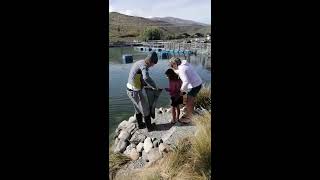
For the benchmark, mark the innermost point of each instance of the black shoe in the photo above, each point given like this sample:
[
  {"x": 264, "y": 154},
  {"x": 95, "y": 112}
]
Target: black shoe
[
  {"x": 147, "y": 120},
  {"x": 141, "y": 125}
]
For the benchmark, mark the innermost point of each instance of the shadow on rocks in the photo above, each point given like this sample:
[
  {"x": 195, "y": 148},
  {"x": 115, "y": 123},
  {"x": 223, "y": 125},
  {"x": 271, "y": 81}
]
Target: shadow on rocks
[{"x": 163, "y": 127}]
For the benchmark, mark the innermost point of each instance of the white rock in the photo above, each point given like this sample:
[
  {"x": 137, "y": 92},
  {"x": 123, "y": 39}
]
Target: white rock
[
  {"x": 161, "y": 109},
  {"x": 132, "y": 119},
  {"x": 140, "y": 147},
  {"x": 153, "y": 155},
  {"x": 131, "y": 152},
  {"x": 130, "y": 127},
  {"x": 163, "y": 148},
  {"x": 134, "y": 130},
  {"x": 128, "y": 148},
  {"x": 124, "y": 135},
  {"x": 169, "y": 110},
  {"x": 123, "y": 124},
  {"x": 121, "y": 146},
  {"x": 116, "y": 141},
  {"x": 117, "y": 131},
  {"x": 147, "y": 145},
  {"x": 134, "y": 155},
  {"x": 144, "y": 156}
]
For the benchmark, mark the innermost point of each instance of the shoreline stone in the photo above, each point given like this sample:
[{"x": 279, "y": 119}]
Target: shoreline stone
[
  {"x": 132, "y": 119},
  {"x": 147, "y": 145},
  {"x": 124, "y": 135},
  {"x": 144, "y": 147},
  {"x": 140, "y": 147}
]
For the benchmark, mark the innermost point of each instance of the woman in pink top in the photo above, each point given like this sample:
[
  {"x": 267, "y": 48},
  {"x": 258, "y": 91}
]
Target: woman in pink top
[
  {"x": 174, "y": 90},
  {"x": 191, "y": 83}
]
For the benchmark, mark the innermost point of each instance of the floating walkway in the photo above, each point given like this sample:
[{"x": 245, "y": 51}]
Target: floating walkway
[{"x": 176, "y": 48}]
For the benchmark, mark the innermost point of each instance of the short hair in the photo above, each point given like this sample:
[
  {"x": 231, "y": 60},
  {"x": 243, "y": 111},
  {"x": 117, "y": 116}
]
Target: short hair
[
  {"x": 152, "y": 57},
  {"x": 175, "y": 60}
]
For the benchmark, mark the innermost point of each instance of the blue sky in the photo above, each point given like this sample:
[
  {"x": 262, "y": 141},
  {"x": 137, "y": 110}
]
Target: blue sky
[{"x": 196, "y": 10}]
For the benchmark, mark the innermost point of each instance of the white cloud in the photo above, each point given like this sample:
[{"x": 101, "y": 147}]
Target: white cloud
[
  {"x": 128, "y": 12},
  {"x": 111, "y": 9}
]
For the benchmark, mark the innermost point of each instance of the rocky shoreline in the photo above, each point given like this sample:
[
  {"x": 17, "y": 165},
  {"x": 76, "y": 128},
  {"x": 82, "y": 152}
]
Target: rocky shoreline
[{"x": 143, "y": 147}]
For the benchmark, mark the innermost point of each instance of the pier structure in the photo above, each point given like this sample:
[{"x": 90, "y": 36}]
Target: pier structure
[{"x": 176, "y": 47}]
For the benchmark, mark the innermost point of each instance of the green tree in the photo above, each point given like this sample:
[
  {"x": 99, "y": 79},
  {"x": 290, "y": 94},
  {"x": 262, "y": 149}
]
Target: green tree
[
  {"x": 186, "y": 35},
  {"x": 198, "y": 35},
  {"x": 151, "y": 33},
  {"x": 171, "y": 36}
]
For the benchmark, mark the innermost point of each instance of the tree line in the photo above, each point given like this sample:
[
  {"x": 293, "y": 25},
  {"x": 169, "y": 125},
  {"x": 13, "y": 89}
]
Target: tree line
[{"x": 154, "y": 33}]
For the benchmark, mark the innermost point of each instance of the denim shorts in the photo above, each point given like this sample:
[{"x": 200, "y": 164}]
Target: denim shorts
[{"x": 194, "y": 91}]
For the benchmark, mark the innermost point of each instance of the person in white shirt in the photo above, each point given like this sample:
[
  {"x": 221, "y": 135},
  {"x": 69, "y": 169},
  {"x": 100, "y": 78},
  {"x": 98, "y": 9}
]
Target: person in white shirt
[{"x": 191, "y": 83}]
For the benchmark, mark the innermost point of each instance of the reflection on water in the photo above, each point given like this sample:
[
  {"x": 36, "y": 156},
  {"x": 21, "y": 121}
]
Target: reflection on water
[
  {"x": 203, "y": 60},
  {"x": 120, "y": 106}
]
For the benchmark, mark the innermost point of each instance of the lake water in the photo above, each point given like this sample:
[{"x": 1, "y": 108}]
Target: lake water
[{"x": 120, "y": 106}]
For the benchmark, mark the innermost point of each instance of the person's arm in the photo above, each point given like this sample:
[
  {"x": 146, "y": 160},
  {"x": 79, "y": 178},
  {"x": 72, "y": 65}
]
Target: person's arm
[
  {"x": 147, "y": 79},
  {"x": 184, "y": 79}
]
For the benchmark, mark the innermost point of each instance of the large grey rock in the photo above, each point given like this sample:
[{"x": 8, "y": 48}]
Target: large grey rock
[
  {"x": 130, "y": 127},
  {"x": 147, "y": 145},
  {"x": 124, "y": 135},
  {"x": 121, "y": 146},
  {"x": 140, "y": 147},
  {"x": 132, "y": 119},
  {"x": 137, "y": 138}
]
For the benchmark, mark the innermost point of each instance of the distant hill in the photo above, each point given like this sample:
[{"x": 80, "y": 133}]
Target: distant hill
[
  {"x": 125, "y": 28},
  {"x": 178, "y": 21}
]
